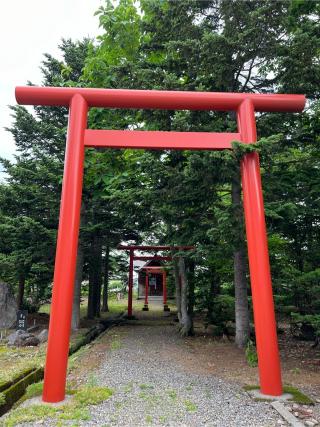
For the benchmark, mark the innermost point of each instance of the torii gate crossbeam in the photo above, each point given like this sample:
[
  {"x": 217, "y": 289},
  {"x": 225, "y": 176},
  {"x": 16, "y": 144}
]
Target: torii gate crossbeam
[{"x": 79, "y": 100}]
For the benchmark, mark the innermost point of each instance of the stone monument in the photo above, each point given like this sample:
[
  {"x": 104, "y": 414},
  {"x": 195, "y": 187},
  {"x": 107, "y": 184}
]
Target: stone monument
[{"x": 8, "y": 307}]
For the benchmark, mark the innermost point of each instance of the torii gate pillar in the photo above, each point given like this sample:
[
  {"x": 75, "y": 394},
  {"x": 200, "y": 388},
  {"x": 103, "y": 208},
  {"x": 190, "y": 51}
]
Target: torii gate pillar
[
  {"x": 66, "y": 255},
  {"x": 261, "y": 287},
  {"x": 146, "y": 293},
  {"x": 164, "y": 279},
  {"x": 130, "y": 285}
]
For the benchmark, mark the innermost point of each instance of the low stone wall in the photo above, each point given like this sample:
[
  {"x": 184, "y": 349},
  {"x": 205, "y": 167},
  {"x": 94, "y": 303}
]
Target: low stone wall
[{"x": 12, "y": 391}]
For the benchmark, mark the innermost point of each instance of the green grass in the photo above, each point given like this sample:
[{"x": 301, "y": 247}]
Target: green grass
[
  {"x": 296, "y": 371},
  {"x": 32, "y": 413},
  {"x": 15, "y": 361},
  {"x": 115, "y": 307},
  {"x": 190, "y": 406},
  {"x": 172, "y": 394},
  {"x": 297, "y": 395},
  {"x": 92, "y": 395},
  {"x": 92, "y": 379},
  {"x": 2, "y": 399},
  {"x": 74, "y": 410},
  {"x": 128, "y": 388},
  {"x": 143, "y": 395},
  {"x": 251, "y": 354},
  {"x": 150, "y": 398},
  {"x": 146, "y": 386},
  {"x": 3, "y": 349},
  {"x": 45, "y": 308},
  {"x": 149, "y": 419},
  {"x": 119, "y": 405},
  {"x": 33, "y": 390},
  {"x": 115, "y": 343}
]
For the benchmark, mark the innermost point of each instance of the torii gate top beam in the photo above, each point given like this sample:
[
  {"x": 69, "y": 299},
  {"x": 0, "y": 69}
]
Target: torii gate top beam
[
  {"x": 156, "y": 270},
  {"x": 154, "y": 248},
  {"x": 158, "y": 100},
  {"x": 161, "y": 100},
  {"x": 152, "y": 258}
]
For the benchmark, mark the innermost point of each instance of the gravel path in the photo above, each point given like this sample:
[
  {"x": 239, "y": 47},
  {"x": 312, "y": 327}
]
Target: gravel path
[{"x": 152, "y": 389}]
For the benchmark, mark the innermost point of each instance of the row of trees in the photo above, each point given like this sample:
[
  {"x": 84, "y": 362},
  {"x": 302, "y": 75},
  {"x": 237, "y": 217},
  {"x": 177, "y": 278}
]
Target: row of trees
[{"x": 168, "y": 196}]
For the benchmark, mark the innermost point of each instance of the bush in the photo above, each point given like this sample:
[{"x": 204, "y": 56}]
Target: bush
[
  {"x": 31, "y": 306},
  {"x": 251, "y": 354},
  {"x": 222, "y": 315},
  {"x": 305, "y": 327},
  {"x": 223, "y": 310}
]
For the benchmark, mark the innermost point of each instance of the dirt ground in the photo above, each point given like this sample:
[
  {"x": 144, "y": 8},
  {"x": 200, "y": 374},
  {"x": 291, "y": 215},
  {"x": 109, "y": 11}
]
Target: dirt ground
[
  {"x": 220, "y": 357},
  {"x": 216, "y": 356}
]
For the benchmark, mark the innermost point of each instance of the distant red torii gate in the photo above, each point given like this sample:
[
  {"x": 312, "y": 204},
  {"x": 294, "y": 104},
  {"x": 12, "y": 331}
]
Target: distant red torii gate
[
  {"x": 150, "y": 248},
  {"x": 156, "y": 270},
  {"x": 79, "y": 100}
]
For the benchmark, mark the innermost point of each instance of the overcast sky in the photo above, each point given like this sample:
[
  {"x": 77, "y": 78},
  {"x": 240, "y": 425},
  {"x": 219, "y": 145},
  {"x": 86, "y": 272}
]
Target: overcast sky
[{"x": 29, "y": 28}]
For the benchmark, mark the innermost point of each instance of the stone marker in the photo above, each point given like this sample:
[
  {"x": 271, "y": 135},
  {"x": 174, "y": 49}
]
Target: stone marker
[
  {"x": 21, "y": 338},
  {"x": 22, "y": 320},
  {"x": 8, "y": 307},
  {"x": 43, "y": 336},
  {"x": 14, "y": 338}
]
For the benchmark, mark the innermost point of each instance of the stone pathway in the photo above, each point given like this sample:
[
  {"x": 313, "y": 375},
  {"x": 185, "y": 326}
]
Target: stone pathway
[{"x": 150, "y": 388}]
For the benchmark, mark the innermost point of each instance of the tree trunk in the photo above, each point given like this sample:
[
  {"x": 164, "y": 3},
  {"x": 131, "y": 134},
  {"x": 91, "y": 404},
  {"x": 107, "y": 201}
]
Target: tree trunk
[
  {"x": 91, "y": 302},
  {"x": 241, "y": 300},
  {"x": 214, "y": 291},
  {"x": 75, "y": 320},
  {"x": 106, "y": 280},
  {"x": 186, "y": 320},
  {"x": 95, "y": 277},
  {"x": 22, "y": 282},
  {"x": 191, "y": 268},
  {"x": 98, "y": 275},
  {"x": 240, "y": 281},
  {"x": 178, "y": 287}
]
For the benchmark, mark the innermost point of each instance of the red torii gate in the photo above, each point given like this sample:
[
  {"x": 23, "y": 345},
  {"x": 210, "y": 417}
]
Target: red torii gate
[
  {"x": 79, "y": 100},
  {"x": 156, "y": 270},
  {"x": 131, "y": 249},
  {"x": 164, "y": 279}
]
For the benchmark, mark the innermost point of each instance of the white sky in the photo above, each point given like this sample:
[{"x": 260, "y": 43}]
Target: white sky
[{"x": 28, "y": 29}]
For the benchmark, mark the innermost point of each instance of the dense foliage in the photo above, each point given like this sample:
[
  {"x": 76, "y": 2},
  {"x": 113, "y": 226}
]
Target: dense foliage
[{"x": 177, "y": 197}]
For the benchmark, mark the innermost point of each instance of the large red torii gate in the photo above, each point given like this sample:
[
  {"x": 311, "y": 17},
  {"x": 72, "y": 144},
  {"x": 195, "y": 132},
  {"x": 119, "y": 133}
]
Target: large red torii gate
[{"x": 79, "y": 100}]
